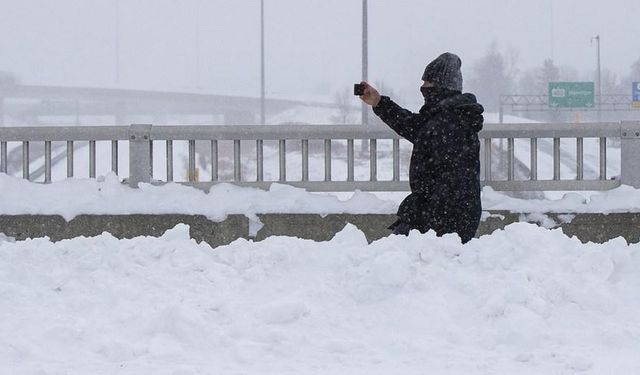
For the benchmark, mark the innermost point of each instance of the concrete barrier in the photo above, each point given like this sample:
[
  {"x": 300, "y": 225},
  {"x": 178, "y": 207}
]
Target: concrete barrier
[
  {"x": 123, "y": 226},
  {"x": 586, "y": 227}
]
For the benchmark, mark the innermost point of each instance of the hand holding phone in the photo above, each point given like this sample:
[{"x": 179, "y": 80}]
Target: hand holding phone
[{"x": 367, "y": 93}]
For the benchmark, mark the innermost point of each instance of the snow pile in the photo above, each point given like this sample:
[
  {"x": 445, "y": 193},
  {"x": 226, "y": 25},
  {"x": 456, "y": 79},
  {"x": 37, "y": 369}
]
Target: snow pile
[
  {"x": 621, "y": 199},
  {"x": 107, "y": 195},
  {"x": 523, "y": 301}
]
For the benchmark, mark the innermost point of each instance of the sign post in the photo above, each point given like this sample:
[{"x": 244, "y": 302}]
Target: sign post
[
  {"x": 636, "y": 95},
  {"x": 571, "y": 94}
]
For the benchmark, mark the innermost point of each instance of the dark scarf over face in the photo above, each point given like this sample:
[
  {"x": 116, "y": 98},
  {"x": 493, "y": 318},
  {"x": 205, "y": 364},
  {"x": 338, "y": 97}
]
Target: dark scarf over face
[{"x": 434, "y": 95}]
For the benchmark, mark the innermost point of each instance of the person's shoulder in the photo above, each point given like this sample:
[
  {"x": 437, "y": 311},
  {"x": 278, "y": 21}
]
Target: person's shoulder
[
  {"x": 469, "y": 97},
  {"x": 468, "y": 102},
  {"x": 462, "y": 102}
]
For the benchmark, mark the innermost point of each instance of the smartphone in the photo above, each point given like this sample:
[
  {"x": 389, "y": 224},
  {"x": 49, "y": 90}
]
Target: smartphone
[{"x": 358, "y": 89}]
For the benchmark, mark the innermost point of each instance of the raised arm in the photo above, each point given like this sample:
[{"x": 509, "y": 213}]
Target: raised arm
[{"x": 402, "y": 121}]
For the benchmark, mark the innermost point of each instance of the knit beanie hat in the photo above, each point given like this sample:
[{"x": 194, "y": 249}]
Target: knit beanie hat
[{"x": 445, "y": 72}]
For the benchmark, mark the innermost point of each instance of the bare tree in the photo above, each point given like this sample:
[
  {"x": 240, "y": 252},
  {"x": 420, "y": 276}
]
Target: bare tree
[
  {"x": 536, "y": 80},
  {"x": 548, "y": 73},
  {"x": 609, "y": 82},
  {"x": 625, "y": 82},
  {"x": 568, "y": 73},
  {"x": 494, "y": 75},
  {"x": 344, "y": 107},
  {"x": 7, "y": 79}
]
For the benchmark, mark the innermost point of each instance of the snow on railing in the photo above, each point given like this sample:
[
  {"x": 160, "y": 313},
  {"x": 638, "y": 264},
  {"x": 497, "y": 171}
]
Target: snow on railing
[{"x": 502, "y": 167}]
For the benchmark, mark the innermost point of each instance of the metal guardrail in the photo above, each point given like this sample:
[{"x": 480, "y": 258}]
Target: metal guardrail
[{"x": 140, "y": 140}]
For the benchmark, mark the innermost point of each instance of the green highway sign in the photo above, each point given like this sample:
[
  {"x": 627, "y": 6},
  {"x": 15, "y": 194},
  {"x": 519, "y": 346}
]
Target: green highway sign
[{"x": 571, "y": 94}]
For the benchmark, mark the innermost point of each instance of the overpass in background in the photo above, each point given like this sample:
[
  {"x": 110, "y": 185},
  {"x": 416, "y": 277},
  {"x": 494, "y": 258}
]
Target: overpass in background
[{"x": 26, "y": 103}]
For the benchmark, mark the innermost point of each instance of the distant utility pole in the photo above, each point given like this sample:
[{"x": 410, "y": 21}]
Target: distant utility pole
[
  {"x": 117, "y": 43},
  {"x": 598, "y": 77},
  {"x": 365, "y": 57},
  {"x": 197, "y": 14},
  {"x": 262, "y": 90},
  {"x": 552, "y": 28}
]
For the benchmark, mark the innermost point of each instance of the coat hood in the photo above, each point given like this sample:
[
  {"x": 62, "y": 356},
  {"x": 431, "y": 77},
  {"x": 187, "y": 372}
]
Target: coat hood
[{"x": 465, "y": 107}]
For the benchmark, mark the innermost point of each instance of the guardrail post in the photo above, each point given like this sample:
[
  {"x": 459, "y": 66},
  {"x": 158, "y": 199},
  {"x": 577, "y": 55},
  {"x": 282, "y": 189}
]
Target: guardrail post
[
  {"x": 139, "y": 154},
  {"x": 630, "y": 153}
]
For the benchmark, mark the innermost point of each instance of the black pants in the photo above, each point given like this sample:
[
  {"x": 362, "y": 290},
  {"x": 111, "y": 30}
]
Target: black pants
[{"x": 402, "y": 228}]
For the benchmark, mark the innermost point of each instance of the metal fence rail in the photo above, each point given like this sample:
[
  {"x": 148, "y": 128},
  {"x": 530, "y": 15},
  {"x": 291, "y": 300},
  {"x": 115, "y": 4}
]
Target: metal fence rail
[
  {"x": 140, "y": 139},
  {"x": 285, "y": 135},
  {"x": 534, "y": 132}
]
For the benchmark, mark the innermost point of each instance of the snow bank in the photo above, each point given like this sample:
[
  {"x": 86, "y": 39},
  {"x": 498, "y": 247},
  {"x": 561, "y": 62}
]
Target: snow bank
[
  {"x": 622, "y": 199},
  {"x": 107, "y": 195},
  {"x": 525, "y": 300}
]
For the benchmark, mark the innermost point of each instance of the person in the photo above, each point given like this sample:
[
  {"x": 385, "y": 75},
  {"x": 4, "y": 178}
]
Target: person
[{"x": 444, "y": 173}]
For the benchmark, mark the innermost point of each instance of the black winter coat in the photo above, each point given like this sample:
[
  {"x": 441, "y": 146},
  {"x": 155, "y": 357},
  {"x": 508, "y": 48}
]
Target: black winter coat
[{"x": 445, "y": 164}]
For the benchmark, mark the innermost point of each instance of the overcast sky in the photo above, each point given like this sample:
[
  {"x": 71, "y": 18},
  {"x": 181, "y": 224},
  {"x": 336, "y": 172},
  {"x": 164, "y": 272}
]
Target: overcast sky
[{"x": 313, "y": 46}]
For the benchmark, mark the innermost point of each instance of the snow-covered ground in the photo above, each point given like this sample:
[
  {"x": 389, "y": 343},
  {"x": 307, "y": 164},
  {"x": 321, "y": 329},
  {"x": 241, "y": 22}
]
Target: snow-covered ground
[
  {"x": 525, "y": 300},
  {"x": 108, "y": 195}
]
